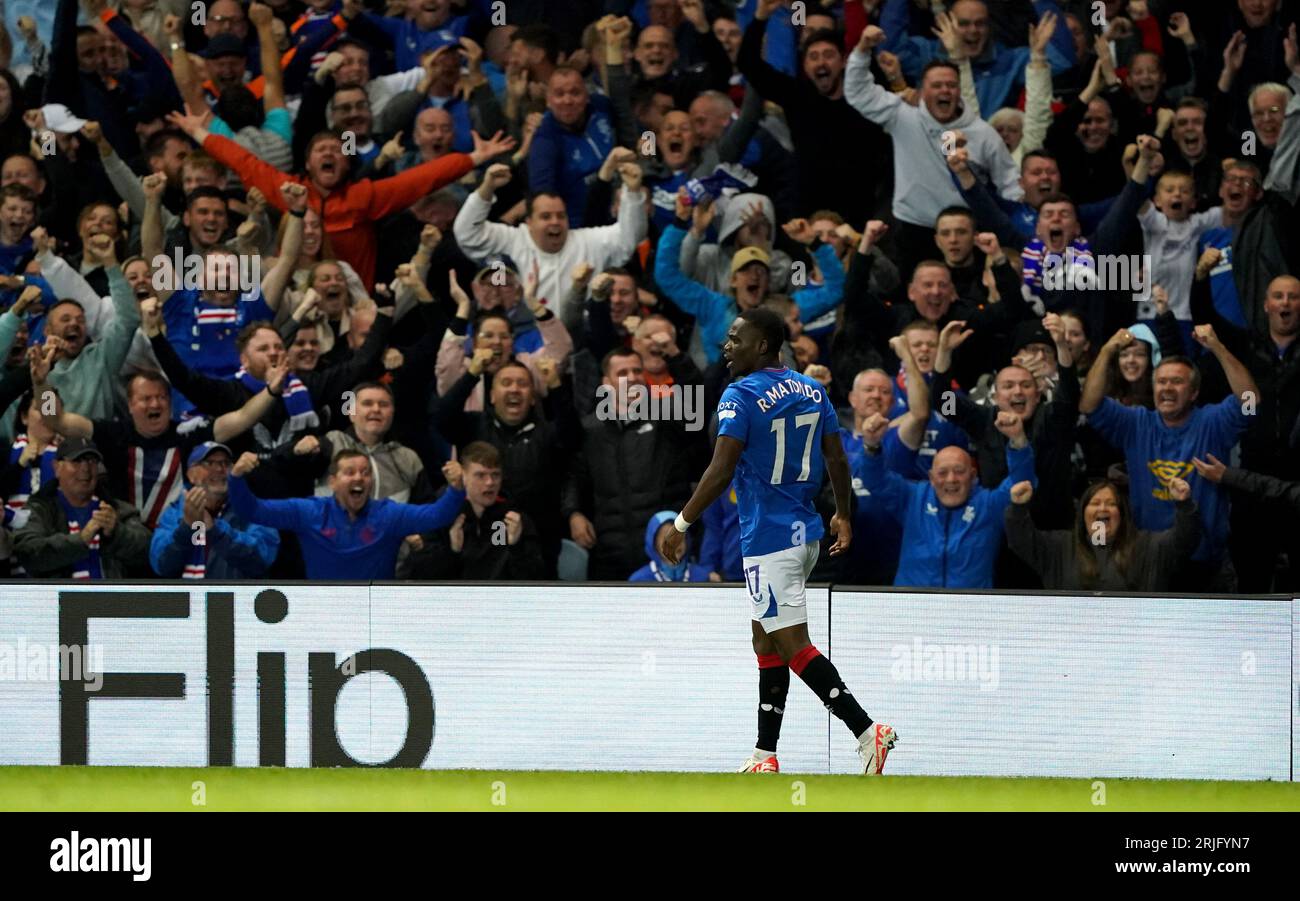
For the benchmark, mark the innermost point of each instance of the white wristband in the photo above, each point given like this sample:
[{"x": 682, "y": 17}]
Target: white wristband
[{"x": 680, "y": 523}]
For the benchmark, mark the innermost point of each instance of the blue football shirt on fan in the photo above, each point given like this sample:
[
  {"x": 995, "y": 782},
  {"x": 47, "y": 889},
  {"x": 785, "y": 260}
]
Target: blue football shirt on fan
[
  {"x": 204, "y": 333},
  {"x": 780, "y": 416}
]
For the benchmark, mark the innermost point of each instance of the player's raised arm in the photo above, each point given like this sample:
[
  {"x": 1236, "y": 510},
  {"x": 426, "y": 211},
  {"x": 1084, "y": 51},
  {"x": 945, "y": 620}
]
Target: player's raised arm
[
  {"x": 837, "y": 465},
  {"x": 716, "y": 478}
]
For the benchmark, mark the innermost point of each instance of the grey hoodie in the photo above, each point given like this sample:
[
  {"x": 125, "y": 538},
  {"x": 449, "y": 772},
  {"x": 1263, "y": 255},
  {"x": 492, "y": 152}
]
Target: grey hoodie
[
  {"x": 923, "y": 184},
  {"x": 710, "y": 264}
]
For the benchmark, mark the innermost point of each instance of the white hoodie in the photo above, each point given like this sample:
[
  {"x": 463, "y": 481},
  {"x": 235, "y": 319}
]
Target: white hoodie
[
  {"x": 923, "y": 184},
  {"x": 602, "y": 247}
]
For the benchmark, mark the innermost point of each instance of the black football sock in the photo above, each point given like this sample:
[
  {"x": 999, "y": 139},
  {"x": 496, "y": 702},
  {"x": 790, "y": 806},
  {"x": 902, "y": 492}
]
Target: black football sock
[
  {"x": 773, "y": 684},
  {"x": 823, "y": 678}
]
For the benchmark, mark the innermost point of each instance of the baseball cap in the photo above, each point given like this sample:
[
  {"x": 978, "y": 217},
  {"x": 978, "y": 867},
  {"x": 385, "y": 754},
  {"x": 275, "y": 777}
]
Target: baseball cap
[
  {"x": 493, "y": 263},
  {"x": 224, "y": 45},
  {"x": 747, "y": 255},
  {"x": 77, "y": 449},
  {"x": 205, "y": 450},
  {"x": 59, "y": 118}
]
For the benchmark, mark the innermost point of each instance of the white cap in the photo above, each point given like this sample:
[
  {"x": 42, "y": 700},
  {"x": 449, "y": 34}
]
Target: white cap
[{"x": 59, "y": 118}]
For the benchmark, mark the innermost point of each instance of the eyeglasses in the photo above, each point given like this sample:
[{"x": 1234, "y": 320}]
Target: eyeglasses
[
  {"x": 214, "y": 464},
  {"x": 1244, "y": 180},
  {"x": 1272, "y": 111}
]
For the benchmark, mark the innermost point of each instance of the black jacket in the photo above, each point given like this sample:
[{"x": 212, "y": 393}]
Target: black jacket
[
  {"x": 1156, "y": 555},
  {"x": 844, "y": 162},
  {"x": 1269, "y": 445},
  {"x": 484, "y": 556},
  {"x": 625, "y": 473}
]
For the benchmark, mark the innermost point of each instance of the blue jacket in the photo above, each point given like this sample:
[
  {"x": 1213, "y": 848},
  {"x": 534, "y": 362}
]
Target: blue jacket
[
  {"x": 335, "y": 546},
  {"x": 410, "y": 43},
  {"x": 998, "y": 72},
  {"x": 561, "y": 159},
  {"x": 715, "y": 312},
  {"x": 658, "y": 570},
  {"x": 943, "y": 547},
  {"x": 237, "y": 549}
]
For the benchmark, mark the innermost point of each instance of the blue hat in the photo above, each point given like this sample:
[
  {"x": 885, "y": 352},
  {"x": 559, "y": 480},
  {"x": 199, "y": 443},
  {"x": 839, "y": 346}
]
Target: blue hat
[{"x": 205, "y": 450}]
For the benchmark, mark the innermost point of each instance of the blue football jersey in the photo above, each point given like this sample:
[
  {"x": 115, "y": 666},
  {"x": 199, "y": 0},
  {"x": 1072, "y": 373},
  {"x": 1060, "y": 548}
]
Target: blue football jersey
[{"x": 780, "y": 416}]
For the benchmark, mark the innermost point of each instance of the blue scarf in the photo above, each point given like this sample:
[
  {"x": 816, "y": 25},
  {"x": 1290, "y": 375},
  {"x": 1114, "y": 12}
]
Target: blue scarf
[
  {"x": 1080, "y": 266},
  {"x": 664, "y": 572},
  {"x": 33, "y": 476},
  {"x": 296, "y": 397},
  {"x": 87, "y": 567}
]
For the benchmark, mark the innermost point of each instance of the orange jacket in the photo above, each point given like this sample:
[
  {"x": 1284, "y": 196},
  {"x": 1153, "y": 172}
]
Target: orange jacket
[{"x": 349, "y": 212}]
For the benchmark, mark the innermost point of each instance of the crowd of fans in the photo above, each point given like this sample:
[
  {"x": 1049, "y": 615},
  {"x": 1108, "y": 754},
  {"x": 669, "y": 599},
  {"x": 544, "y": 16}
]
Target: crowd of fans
[{"x": 353, "y": 289}]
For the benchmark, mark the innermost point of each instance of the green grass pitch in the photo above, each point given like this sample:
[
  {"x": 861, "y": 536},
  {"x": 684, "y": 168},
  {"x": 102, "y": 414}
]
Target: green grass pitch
[{"x": 230, "y": 789}]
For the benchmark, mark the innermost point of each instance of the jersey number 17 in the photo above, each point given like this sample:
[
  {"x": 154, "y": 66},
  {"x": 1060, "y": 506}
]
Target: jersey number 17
[{"x": 778, "y": 428}]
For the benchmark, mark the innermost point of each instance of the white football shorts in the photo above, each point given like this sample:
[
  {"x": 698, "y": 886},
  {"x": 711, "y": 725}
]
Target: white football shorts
[{"x": 776, "y": 585}]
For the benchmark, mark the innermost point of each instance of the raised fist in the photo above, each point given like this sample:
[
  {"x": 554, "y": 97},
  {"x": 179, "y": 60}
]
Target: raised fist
[
  {"x": 294, "y": 196},
  {"x": 874, "y": 428},
  {"x": 497, "y": 176},
  {"x": 872, "y": 37}
]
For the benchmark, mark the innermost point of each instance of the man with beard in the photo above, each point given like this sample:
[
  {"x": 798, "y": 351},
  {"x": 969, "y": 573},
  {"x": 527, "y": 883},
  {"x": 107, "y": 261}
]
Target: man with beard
[
  {"x": 347, "y": 534},
  {"x": 1260, "y": 529},
  {"x": 922, "y": 135},
  {"x": 84, "y": 372},
  {"x": 830, "y": 139},
  {"x": 71, "y": 533},
  {"x": 230, "y": 546},
  {"x": 1160, "y": 444},
  {"x": 350, "y": 208},
  {"x": 575, "y": 136},
  {"x": 203, "y": 321},
  {"x": 544, "y": 239}
]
